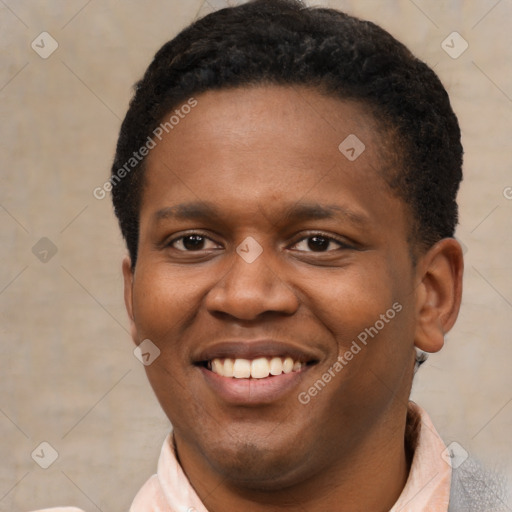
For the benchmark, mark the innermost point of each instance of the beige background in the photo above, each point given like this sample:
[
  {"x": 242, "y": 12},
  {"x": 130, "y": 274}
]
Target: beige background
[{"x": 67, "y": 372}]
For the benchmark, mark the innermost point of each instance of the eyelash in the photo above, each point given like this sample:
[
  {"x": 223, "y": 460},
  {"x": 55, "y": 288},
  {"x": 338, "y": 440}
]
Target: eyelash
[{"x": 330, "y": 238}]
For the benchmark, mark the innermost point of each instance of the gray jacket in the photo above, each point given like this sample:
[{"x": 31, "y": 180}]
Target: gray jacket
[{"x": 477, "y": 489}]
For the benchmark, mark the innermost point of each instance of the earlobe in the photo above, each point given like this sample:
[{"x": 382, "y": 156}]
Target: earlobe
[
  {"x": 439, "y": 294},
  {"x": 128, "y": 296}
]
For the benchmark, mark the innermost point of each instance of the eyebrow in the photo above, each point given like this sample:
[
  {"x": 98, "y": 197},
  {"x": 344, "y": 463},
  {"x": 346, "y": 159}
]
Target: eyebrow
[{"x": 300, "y": 211}]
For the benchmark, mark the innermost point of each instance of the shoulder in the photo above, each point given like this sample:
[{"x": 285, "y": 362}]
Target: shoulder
[{"x": 475, "y": 488}]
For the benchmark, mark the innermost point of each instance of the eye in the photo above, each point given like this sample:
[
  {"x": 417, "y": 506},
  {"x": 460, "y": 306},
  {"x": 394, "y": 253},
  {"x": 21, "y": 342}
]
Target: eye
[
  {"x": 319, "y": 242},
  {"x": 190, "y": 242}
]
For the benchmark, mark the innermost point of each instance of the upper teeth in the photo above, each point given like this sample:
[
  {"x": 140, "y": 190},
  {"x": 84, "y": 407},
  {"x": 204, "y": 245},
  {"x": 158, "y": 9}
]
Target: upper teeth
[{"x": 259, "y": 368}]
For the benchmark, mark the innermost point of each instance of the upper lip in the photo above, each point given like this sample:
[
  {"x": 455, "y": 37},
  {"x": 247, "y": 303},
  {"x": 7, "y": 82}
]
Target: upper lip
[{"x": 251, "y": 349}]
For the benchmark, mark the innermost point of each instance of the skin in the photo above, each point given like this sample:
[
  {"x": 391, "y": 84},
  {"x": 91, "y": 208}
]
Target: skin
[{"x": 254, "y": 153}]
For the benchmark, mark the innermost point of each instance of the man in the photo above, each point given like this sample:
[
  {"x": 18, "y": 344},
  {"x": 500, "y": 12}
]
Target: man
[{"x": 285, "y": 180}]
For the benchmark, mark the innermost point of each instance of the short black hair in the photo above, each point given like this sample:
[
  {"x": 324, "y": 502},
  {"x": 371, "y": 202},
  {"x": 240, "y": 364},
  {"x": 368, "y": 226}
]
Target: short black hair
[{"x": 284, "y": 42}]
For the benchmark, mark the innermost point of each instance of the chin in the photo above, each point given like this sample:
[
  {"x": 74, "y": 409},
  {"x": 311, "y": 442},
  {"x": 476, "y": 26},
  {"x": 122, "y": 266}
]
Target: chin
[{"x": 257, "y": 466}]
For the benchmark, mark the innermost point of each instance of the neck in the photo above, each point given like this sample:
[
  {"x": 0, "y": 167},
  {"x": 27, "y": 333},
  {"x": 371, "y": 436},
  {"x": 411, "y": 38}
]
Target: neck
[{"x": 369, "y": 476}]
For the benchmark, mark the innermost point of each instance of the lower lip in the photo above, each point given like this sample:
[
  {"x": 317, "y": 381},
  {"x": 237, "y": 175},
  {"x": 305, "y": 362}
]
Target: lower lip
[{"x": 253, "y": 391}]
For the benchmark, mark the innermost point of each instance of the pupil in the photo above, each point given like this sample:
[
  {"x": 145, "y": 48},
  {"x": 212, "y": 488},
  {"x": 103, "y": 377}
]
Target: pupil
[
  {"x": 196, "y": 242},
  {"x": 322, "y": 243}
]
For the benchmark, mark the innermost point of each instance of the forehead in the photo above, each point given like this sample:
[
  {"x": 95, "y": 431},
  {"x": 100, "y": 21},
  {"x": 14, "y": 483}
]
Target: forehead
[{"x": 271, "y": 147}]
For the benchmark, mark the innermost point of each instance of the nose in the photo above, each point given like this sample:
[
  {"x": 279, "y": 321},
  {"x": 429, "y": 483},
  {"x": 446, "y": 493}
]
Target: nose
[{"x": 250, "y": 288}]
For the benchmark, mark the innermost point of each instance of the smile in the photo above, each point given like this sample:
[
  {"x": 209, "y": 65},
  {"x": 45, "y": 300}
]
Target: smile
[
  {"x": 254, "y": 372},
  {"x": 259, "y": 368}
]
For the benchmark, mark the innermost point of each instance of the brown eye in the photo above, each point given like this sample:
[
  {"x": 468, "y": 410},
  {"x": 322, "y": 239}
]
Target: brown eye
[
  {"x": 189, "y": 243},
  {"x": 318, "y": 243}
]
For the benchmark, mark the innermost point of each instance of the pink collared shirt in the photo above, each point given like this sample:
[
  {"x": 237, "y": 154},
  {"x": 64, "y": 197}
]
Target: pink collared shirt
[{"x": 427, "y": 488}]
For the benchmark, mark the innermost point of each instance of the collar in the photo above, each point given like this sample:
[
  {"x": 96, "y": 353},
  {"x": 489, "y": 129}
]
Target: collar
[{"x": 428, "y": 485}]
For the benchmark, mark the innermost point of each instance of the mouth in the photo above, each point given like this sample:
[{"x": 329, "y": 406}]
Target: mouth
[{"x": 258, "y": 372}]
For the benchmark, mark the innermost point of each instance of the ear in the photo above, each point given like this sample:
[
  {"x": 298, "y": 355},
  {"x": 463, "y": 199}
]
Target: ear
[
  {"x": 128, "y": 296},
  {"x": 439, "y": 293}
]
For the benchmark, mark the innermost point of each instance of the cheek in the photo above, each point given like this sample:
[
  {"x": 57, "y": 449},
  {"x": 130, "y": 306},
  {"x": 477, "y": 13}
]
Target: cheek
[
  {"x": 354, "y": 299},
  {"x": 162, "y": 302},
  {"x": 367, "y": 313}
]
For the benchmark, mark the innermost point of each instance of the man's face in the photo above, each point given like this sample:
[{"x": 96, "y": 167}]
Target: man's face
[{"x": 266, "y": 264}]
